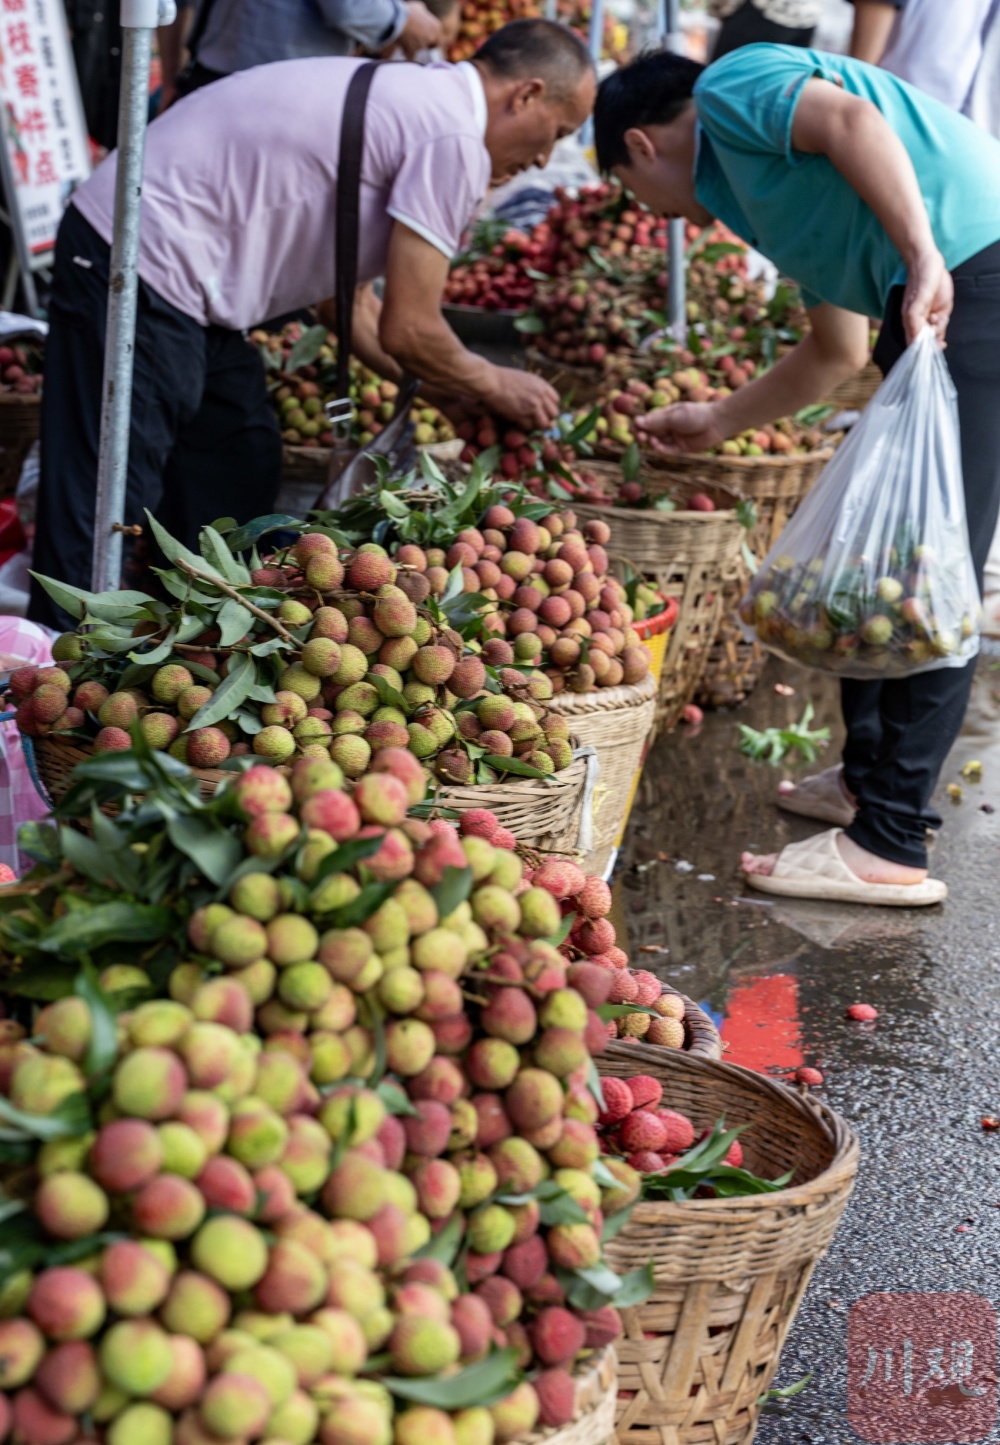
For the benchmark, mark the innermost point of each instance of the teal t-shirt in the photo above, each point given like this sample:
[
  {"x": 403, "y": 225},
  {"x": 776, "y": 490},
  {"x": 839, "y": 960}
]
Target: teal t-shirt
[{"x": 798, "y": 209}]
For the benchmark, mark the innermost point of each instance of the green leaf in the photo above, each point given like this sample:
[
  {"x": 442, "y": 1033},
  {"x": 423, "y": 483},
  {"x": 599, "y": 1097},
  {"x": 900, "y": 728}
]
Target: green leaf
[
  {"x": 788, "y": 1392},
  {"x": 71, "y": 1120},
  {"x": 631, "y": 462},
  {"x": 454, "y": 888},
  {"x": 40, "y": 841},
  {"x": 584, "y": 427},
  {"x": 156, "y": 655},
  {"x": 530, "y": 325},
  {"x": 635, "y": 1287},
  {"x": 445, "y": 1245},
  {"x": 103, "y": 1049},
  {"x": 175, "y": 551},
  {"x": 594, "y": 1085},
  {"x": 513, "y": 765},
  {"x": 234, "y": 690},
  {"x": 245, "y": 537},
  {"x": 235, "y": 621},
  {"x": 387, "y": 694},
  {"x": 361, "y": 908},
  {"x": 345, "y": 857},
  {"x": 212, "y": 850},
  {"x": 563, "y": 931},
  {"x": 601, "y": 1173},
  {"x": 216, "y": 553},
  {"x": 395, "y": 1099},
  {"x": 77, "y": 933},
  {"x": 392, "y": 506},
  {"x": 483, "y": 1383},
  {"x": 307, "y": 348},
  {"x": 615, "y": 1223},
  {"x": 113, "y": 606},
  {"x": 608, "y": 1011},
  {"x": 561, "y": 1209}
]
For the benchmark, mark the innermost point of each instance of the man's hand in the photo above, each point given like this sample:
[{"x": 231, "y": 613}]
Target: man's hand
[
  {"x": 524, "y": 397},
  {"x": 422, "y": 30},
  {"x": 689, "y": 426},
  {"x": 929, "y": 296}
]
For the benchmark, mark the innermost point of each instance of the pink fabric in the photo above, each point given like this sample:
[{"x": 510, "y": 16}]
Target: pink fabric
[
  {"x": 239, "y": 189},
  {"x": 19, "y": 799}
]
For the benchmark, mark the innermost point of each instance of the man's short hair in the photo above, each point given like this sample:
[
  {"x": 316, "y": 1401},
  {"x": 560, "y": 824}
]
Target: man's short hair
[
  {"x": 529, "y": 49},
  {"x": 653, "y": 90}
]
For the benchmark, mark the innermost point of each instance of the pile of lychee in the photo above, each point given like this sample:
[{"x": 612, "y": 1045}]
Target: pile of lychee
[
  {"x": 552, "y": 601},
  {"x": 370, "y": 669},
  {"x": 237, "y": 1218},
  {"x": 21, "y": 366},
  {"x": 300, "y": 392},
  {"x": 635, "y": 1123},
  {"x": 902, "y": 607}
]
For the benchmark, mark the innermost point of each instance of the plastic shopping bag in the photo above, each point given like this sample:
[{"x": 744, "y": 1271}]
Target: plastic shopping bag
[{"x": 873, "y": 577}]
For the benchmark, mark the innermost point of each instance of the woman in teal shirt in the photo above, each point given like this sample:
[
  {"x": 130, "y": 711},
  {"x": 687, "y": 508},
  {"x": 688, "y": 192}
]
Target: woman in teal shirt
[{"x": 880, "y": 202}]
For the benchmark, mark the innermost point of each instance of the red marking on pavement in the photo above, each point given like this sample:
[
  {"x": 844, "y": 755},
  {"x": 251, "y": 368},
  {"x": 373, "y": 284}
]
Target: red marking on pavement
[{"x": 762, "y": 1023}]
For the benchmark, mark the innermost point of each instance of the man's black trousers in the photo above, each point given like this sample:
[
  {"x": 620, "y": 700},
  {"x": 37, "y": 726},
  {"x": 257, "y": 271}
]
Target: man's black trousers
[
  {"x": 204, "y": 440},
  {"x": 899, "y": 732}
]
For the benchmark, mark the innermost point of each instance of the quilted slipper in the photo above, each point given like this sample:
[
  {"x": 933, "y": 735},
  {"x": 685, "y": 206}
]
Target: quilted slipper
[
  {"x": 820, "y": 796},
  {"x": 815, "y": 869}
]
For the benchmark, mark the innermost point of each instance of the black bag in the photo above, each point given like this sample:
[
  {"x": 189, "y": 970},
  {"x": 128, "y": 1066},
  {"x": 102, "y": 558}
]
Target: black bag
[{"x": 352, "y": 469}]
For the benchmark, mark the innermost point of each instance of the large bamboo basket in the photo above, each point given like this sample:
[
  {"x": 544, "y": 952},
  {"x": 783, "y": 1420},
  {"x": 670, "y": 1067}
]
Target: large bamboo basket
[
  {"x": 688, "y": 555},
  {"x": 596, "y": 1394},
  {"x": 618, "y": 723},
  {"x": 545, "y": 813},
  {"x": 856, "y": 392},
  {"x": 20, "y": 421},
  {"x": 775, "y": 486},
  {"x": 696, "y": 1358},
  {"x": 583, "y": 385}
]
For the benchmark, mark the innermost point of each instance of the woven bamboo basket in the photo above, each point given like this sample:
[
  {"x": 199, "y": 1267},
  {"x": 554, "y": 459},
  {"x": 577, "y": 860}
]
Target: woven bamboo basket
[
  {"x": 596, "y": 1394},
  {"x": 701, "y": 1037},
  {"x": 688, "y": 555},
  {"x": 20, "y": 421},
  {"x": 57, "y": 757},
  {"x": 696, "y": 1358},
  {"x": 305, "y": 465},
  {"x": 856, "y": 392},
  {"x": 775, "y": 486},
  {"x": 541, "y": 813},
  {"x": 617, "y": 722},
  {"x": 584, "y": 385}
]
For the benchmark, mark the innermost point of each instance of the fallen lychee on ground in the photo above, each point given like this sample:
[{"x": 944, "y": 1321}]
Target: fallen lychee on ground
[{"x": 306, "y": 1150}]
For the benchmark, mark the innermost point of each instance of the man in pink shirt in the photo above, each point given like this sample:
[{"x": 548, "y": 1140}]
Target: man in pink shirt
[{"x": 238, "y": 225}]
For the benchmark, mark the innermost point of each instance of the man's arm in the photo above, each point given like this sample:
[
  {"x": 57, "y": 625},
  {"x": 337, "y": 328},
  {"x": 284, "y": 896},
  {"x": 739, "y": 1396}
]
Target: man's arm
[
  {"x": 412, "y": 330},
  {"x": 835, "y": 348},
  {"x": 873, "y": 22},
  {"x": 855, "y": 136},
  {"x": 365, "y": 344},
  {"x": 374, "y": 24}
]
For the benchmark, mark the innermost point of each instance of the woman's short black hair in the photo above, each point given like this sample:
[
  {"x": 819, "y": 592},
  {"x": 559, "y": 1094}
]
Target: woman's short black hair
[{"x": 653, "y": 90}]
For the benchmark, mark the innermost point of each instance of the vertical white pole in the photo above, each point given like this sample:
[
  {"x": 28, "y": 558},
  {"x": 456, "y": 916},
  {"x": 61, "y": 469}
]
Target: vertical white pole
[
  {"x": 139, "y": 18},
  {"x": 671, "y": 38}
]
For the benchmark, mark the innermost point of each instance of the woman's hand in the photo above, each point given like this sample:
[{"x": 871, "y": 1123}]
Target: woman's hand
[
  {"x": 929, "y": 296},
  {"x": 688, "y": 426}
]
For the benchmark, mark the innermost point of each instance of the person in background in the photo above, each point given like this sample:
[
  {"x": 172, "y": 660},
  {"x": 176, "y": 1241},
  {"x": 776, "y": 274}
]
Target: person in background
[
  {"x": 953, "y": 53},
  {"x": 779, "y": 22},
  {"x": 449, "y": 13},
  {"x": 877, "y": 200},
  {"x": 239, "y": 223},
  {"x": 230, "y": 35}
]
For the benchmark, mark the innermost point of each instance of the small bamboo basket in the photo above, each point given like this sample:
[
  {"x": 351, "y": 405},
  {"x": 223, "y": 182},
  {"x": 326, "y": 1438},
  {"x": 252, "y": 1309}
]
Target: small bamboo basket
[
  {"x": 696, "y": 1358},
  {"x": 57, "y": 757},
  {"x": 688, "y": 556},
  {"x": 20, "y": 423},
  {"x": 617, "y": 722},
  {"x": 543, "y": 813},
  {"x": 701, "y": 1037},
  {"x": 856, "y": 392},
  {"x": 596, "y": 1394}
]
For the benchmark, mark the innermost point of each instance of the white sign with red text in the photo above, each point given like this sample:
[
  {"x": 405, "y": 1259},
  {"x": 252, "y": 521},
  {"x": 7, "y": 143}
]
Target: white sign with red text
[{"x": 44, "y": 129}]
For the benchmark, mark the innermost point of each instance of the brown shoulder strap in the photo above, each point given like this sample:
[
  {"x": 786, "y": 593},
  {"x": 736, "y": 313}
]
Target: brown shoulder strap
[{"x": 352, "y": 144}]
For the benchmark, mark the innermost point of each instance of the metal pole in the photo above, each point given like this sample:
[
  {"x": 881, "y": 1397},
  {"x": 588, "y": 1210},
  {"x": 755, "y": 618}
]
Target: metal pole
[
  {"x": 672, "y": 39},
  {"x": 550, "y": 9},
  {"x": 138, "y": 18},
  {"x": 597, "y": 31}
]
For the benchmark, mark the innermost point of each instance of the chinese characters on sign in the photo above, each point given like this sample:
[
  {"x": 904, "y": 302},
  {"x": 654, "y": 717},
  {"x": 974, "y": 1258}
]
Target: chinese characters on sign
[
  {"x": 44, "y": 130},
  {"x": 922, "y": 1369}
]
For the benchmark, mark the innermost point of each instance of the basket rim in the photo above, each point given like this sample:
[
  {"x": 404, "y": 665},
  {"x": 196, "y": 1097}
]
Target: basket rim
[
  {"x": 659, "y": 519},
  {"x": 781, "y": 460},
  {"x": 839, "y": 1134},
  {"x": 20, "y": 398},
  {"x": 624, "y": 695}
]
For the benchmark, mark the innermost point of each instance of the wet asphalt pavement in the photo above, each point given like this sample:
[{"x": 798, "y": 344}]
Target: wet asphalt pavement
[{"x": 916, "y": 1085}]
